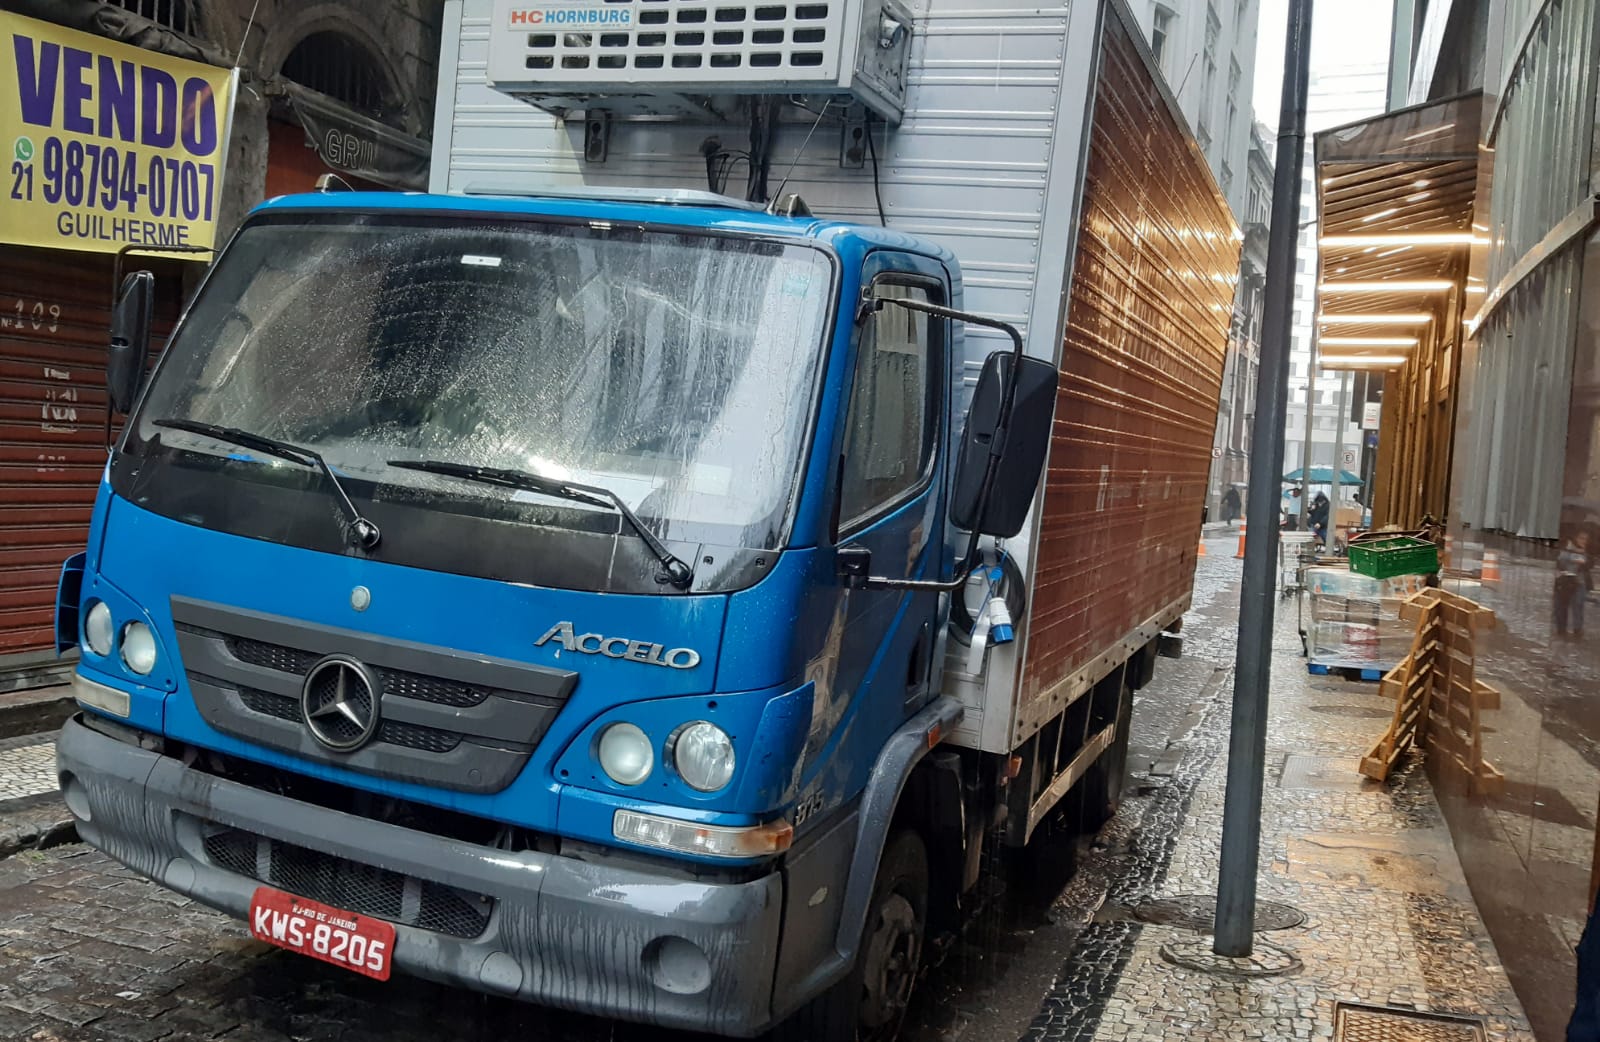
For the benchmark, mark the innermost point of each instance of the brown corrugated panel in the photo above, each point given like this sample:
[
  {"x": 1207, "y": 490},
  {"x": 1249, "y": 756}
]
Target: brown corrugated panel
[
  {"x": 55, "y": 311},
  {"x": 1141, "y": 371}
]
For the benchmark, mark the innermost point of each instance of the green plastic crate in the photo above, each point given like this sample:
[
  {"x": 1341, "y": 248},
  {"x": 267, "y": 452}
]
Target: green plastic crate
[{"x": 1402, "y": 555}]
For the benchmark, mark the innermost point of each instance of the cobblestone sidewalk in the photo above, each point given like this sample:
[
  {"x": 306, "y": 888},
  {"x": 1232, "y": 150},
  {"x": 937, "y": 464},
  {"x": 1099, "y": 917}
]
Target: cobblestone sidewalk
[
  {"x": 1389, "y": 918},
  {"x": 27, "y": 768}
]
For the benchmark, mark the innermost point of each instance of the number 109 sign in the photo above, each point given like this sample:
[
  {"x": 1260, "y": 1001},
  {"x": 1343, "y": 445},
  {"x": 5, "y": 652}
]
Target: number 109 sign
[{"x": 107, "y": 145}]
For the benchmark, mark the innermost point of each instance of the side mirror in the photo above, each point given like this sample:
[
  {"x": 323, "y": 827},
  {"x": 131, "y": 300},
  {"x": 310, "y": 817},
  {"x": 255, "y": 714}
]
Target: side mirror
[
  {"x": 130, "y": 339},
  {"x": 1014, "y": 451}
]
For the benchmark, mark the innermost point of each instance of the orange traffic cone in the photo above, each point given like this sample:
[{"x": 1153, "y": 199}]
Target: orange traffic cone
[
  {"x": 1201, "y": 552},
  {"x": 1491, "y": 566},
  {"x": 1241, "y": 540}
]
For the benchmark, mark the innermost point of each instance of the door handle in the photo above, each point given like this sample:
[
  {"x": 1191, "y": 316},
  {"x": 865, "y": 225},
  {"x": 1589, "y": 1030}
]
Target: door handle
[{"x": 917, "y": 663}]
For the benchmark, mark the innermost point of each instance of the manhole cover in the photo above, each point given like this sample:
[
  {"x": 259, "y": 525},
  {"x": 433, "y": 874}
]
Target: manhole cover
[
  {"x": 1361, "y": 712},
  {"x": 1193, "y": 951},
  {"x": 1199, "y": 912},
  {"x": 1321, "y": 772},
  {"x": 1356, "y": 1023}
]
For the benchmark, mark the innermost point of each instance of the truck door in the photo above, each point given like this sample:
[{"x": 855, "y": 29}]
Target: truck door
[{"x": 889, "y": 493}]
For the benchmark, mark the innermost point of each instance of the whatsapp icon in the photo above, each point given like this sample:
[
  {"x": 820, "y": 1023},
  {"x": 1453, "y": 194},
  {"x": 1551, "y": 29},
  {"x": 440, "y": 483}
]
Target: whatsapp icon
[{"x": 24, "y": 149}]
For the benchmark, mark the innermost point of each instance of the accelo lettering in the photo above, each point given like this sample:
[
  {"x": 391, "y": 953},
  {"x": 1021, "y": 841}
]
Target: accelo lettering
[{"x": 619, "y": 647}]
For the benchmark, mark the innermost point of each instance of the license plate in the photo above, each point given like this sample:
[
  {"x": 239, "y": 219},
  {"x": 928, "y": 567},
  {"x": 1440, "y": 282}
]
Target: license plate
[{"x": 355, "y": 942}]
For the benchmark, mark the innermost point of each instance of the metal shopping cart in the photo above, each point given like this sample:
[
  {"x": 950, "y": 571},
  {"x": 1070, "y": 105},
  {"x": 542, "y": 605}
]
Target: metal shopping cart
[{"x": 1296, "y": 550}]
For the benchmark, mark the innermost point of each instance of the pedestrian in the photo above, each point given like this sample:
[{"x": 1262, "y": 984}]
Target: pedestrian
[
  {"x": 1317, "y": 518},
  {"x": 1585, "y": 1023},
  {"x": 1230, "y": 505},
  {"x": 1573, "y": 580}
]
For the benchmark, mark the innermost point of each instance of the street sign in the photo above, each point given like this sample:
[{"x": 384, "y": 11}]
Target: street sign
[{"x": 1349, "y": 458}]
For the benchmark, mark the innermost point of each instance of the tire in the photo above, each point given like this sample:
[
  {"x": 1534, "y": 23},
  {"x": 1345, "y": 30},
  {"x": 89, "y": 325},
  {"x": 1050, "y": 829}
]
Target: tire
[
  {"x": 869, "y": 1004},
  {"x": 1103, "y": 783}
]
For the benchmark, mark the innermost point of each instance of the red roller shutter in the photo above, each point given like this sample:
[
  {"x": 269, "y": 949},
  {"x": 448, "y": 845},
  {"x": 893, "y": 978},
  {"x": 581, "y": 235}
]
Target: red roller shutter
[{"x": 55, "y": 311}]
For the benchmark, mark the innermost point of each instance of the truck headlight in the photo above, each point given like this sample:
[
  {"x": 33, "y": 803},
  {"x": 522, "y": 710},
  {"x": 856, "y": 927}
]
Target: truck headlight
[
  {"x": 702, "y": 753},
  {"x": 138, "y": 648},
  {"x": 97, "y": 629},
  {"x": 624, "y": 753}
]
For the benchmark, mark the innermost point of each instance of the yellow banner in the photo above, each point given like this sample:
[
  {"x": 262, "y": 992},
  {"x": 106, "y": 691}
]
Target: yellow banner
[{"x": 108, "y": 145}]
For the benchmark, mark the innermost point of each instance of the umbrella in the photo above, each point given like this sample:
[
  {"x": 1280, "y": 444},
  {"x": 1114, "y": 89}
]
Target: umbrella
[{"x": 1323, "y": 476}]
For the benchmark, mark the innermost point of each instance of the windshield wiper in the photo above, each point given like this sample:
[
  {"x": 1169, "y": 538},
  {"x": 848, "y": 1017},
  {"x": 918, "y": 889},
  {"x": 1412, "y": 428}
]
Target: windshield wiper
[
  {"x": 365, "y": 533},
  {"x": 678, "y": 573}
]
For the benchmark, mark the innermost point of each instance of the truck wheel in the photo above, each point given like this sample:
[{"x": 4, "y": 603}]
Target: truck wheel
[
  {"x": 1103, "y": 782},
  {"x": 869, "y": 1004}
]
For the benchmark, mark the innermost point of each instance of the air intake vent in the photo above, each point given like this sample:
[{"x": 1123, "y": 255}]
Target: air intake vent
[
  {"x": 681, "y": 41},
  {"x": 663, "y": 56}
]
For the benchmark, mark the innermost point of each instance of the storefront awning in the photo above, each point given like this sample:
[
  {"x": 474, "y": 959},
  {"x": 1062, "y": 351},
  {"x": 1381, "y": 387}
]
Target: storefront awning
[
  {"x": 1394, "y": 207},
  {"x": 356, "y": 144}
]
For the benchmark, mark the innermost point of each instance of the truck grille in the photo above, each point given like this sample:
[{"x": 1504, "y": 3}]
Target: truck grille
[
  {"x": 412, "y": 737},
  {"x": 409, "y": 735},
  {"x": 456, "y": 721},
  {"x": 269, "y": 704},
  {"x": 395, "y": 682},
  {"x": 350, "y": 885}
]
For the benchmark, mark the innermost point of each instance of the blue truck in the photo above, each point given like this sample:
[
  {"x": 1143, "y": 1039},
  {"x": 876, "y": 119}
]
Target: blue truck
[{"x": 639, "y": 600}]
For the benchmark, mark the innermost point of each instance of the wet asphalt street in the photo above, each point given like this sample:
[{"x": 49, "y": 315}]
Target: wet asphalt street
[{"x": 88, "y": 951}]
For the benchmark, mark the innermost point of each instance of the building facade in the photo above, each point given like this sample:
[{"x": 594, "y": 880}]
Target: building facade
[
  {"x": 1206, "y": 50},
  {"x": 1230, "y": 450},
  {"x": 340, "y": 86},
  {"x": 1491, "y": 420}
]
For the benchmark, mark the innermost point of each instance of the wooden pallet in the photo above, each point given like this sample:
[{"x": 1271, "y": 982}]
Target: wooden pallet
[{"x": 1437, "y": 696}]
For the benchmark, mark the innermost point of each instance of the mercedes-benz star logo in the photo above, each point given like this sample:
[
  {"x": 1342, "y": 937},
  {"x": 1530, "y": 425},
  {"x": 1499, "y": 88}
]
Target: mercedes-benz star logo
[{"x": 339, "y": 703}]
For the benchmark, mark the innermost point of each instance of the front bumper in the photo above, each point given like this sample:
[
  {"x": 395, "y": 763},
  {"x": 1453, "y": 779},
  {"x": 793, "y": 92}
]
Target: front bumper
[{"x": 583, "y": 935}]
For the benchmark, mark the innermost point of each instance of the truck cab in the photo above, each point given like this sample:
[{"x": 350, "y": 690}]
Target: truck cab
[{"x": 548, "y": 595}]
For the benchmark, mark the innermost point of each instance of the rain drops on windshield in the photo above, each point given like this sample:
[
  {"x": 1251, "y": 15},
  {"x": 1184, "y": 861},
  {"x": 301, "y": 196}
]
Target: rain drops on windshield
[{"x": 674, "y": 369}]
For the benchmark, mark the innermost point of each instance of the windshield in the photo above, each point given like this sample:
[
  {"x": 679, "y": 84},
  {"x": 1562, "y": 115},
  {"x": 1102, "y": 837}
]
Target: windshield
[{"x": 674, "y": 369}]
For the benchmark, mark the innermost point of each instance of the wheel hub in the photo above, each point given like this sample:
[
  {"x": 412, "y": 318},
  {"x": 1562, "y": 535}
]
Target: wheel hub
[{"x": 892, "y": 956}]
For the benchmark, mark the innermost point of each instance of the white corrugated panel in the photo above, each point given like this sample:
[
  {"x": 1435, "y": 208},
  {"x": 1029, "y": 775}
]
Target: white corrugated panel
[{"x": 968, "y": 166}]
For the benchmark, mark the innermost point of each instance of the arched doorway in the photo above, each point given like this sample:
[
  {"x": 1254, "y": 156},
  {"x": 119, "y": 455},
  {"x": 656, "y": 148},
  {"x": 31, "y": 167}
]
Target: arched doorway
[{"x": 335, "y": 110}]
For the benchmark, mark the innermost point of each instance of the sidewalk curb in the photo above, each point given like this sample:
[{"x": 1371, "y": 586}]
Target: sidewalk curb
[
  {"x": 35, "y": 711},
  {"x": 42, "y": 832}
]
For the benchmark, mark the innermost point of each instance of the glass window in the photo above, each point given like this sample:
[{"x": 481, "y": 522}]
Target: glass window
[
  {"x": 893, "y": 420},
  {"x": 673, "y": 368},
  {"x": 1160, "y": 29}
]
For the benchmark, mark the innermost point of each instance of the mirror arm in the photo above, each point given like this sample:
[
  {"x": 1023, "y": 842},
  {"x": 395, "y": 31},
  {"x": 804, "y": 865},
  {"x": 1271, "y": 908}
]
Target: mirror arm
[
  {"x": 132, "y": 248},
  {"x": 879, "y": 582},
  {"x": 116, "y": 291},
  {"x": 871, "y": 304}
]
